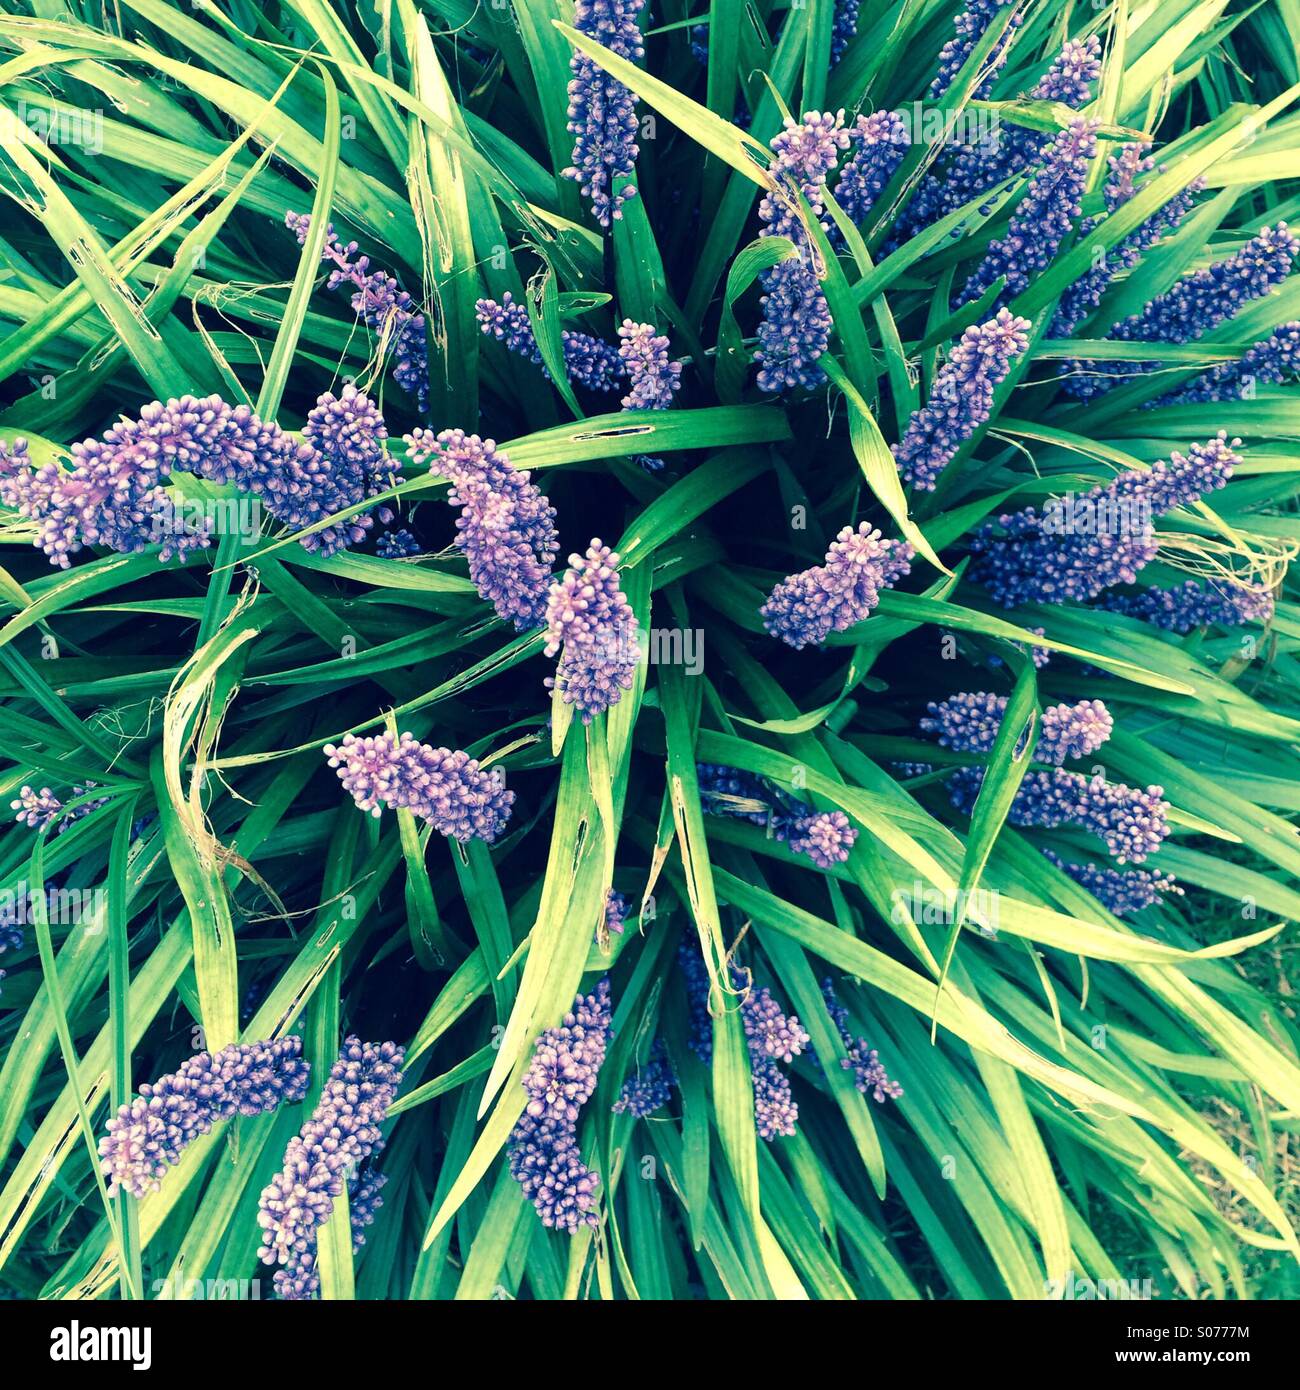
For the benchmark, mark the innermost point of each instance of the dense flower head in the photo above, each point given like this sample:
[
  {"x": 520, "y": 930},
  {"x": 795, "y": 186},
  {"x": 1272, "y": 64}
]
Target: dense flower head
[
  {"x": 650, "y": 1087},
  {"x": 506, "y": 526},
  {"x": 962, "y": 397},
  {"x": 616, "y": 910},
  {"x": 1122, "y": 892},
  {"x": 806, "y": 151},
  {"x": 381, "y": 303},
  {"x": 971, "y": 24},
  {"x": 42, "y": 809},
  {"x": 567, "y": 1059},
  {"x": 148, "y": 1135},
  {"x": 447, "y": 788},
  {"x": 543, "y": 1152},
  {"x": 1199, "y": 302},
  {"x": 807, "y": 607},
  {"x": 869, "y": 1074},
  {"x": 844, "y": 25},
  {"x": 879, "y": 142},
  {"x": 1079, "y": 300},
  {"x": 112, "y": 494},
  {"x": 1192, "y": 604},
  {"x": 590, "y": 623},
  {"x": 969, "y": 723},
  {"x": 1104, "y": 538},
  {"x": 589, "y": 361},
  {"x": 1042, "y": 220},
  {"x": 795, "y": 328},
  {"x": 825, "y": 837},
  {"x": 602, "y": 112},
  {"x": 397, "y": 545},
  {"x": 771, "y": 1036},
  {"x": 654, "y": 379},
  {"x": 1132, "y": 821},
  {"x": 1004, "y": 151},
  {"x": 332, "y": 1149},
  {"x": 1268, "y": 363}
]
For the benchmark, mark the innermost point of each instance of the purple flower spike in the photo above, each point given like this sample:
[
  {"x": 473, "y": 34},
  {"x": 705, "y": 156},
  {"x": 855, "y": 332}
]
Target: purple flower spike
[
  {"x": 971, "y": 24},
  {"x": 1198, "y": 303},
  {"x": 844, "y": 25},
  {"x": 336, "y": 1146},
  {"x": 445, "y": 787},
  {"x": 1103, "y": 538},
  {"x": 1270, "y": 363},
  {"x": 591, "y": 362},
  {"x": 591, "y": 624},
  {"x": 602, "y": 112},
  {"x": 616, "y": 910},
  {"x": 1080, "y": 299},
  {"x": 1121, "y": 893},
  {"x": 825, "y": 837},
  {"x": 869, "y": 1074},
  {"x": 650, "y": 1087},
  {"x": 879, "y": 143},
  {"x": 397, "y": 545},
  {"x": 807, "y": 607},
  {"x": 543, "y": 1152},
  {"x": 148, "y": 1135},
  {"x": 113, "y": 496},
  {"x": 39, "y": 809},
  {"x": 962, "y": 398},
  {"x": 795, "y": 328},
  {"x": 969, "y": 723},
  {"x": 1042, "y": 220},
  {"x": 381, "y": 303},
  {"x": 506, "y": 526},
  {"x": 653, "y": 377},
  {"x": 1190, "y": 605},
  {"x": 1132, "y": 822}
]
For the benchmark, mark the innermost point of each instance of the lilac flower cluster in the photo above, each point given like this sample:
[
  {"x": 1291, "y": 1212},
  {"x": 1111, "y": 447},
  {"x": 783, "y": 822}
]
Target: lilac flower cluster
[
  {"x": 591, "y": 624},
  {"x": 506, "y": 526},
  {"x": 879, "y": 142},
  {"x": 962, "y": 398},
  {"x": 825, "y": 837},
  {"x": 113, "y": 496},
  {"x": 795, "y": 327},
  {"x": 1197, "y": 303},
  {"x": 1010, "y": 149},
  {"x": 805, "y": 608},
  {"x": 616, "y": 910},
  {"x": 1025, "y": 557},
  {"x": 654, "y": 379},
  {"x": 844, "y": 25},
  {"x": 969, "y": 723},
  {"x": 148, "y": 1135},
  {"x": 1190, "y": 605},
  {"x": 397, "y": 545},
  {"x": 869, "y": 1074},
  {"x": 1079, "y": 300},
  {"x": 381, "y": 303},
  {"x": 1131, "y": 821},
  {"x": 602, "y": 111},
  {"x": 1275, "y": 360},
  {"x": 42, "y": 809},
  {"x": 336, "y": 1146},
  {"x": 543, "y": 1152},
  {"x": 770, "y": 1036},
  {"x": 650, "y": 1087},
  {"x": 972, "y": 23},
  {"x": 1042, "y": 219},
  {"x": 1121, "y": 893},
  {"x": 447, "y": 788},
  {"x": 589, "y": 361}
]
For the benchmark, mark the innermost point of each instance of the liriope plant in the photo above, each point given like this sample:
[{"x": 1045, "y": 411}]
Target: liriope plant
[{"x": 647, "y": 650}]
